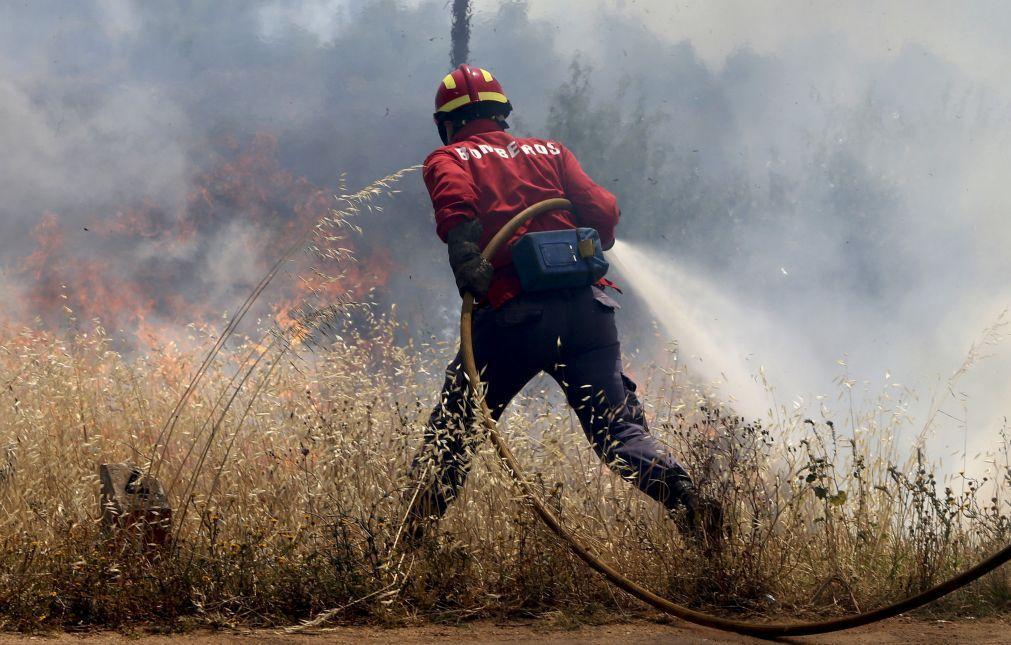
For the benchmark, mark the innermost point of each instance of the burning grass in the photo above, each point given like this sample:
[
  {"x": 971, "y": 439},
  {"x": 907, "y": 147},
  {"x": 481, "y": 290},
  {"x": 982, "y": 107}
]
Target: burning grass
[
  {"x": 290, "y": 500},
  {"x": 285, "y": 470}
]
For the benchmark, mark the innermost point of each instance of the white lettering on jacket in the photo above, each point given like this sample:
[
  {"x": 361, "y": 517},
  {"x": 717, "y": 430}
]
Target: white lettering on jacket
[{"x": 511, "y": 151}]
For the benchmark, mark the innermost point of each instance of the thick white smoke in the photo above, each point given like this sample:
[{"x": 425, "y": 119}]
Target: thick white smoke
[{"x": 835, "y": 170}]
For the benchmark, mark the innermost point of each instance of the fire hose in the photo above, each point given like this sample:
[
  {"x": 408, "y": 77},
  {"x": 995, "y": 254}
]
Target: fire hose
[{"x": 615, "y": 577}]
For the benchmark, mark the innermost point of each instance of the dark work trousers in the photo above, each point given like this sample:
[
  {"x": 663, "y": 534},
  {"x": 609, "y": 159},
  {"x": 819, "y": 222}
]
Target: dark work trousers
[{"x": 571, "y": 335}]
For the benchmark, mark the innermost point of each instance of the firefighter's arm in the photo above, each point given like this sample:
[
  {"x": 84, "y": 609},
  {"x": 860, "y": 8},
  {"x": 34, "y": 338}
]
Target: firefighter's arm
[
  {"x": 594, "y": 206},
  {"x": 454, "y": 196},
  {"x": 454, "y": 199}
]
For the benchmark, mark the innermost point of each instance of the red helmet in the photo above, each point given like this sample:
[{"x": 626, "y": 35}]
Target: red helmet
[{"x": 470, "y": 93}]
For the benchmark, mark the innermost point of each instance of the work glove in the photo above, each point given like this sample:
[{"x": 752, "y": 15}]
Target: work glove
[
  {"x": 705, "y": 523},
  {"x": 473, "y": 272}
]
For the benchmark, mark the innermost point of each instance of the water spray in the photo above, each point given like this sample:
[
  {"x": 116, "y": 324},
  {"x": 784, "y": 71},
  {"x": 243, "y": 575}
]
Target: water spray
[{"x": 699, "y": 317}]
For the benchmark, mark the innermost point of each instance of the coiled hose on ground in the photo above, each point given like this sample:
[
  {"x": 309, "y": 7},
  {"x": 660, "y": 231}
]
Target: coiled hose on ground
[{"x": 615, "y": 577}]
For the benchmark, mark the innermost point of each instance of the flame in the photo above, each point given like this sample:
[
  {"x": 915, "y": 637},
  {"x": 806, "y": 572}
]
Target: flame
[
  {"x": 141, "y": 268},
  {"x": 78, "y": 286},
  {"x": 313, "y": 287}
]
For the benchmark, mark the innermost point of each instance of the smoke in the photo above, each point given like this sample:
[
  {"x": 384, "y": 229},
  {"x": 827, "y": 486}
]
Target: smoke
[
  {"x": 841, "y": 193},
  {"x": 836, "y": 172}
]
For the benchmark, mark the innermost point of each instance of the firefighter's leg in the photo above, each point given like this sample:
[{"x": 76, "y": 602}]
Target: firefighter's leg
[
  {"x": 604, "y": 399},
  {"x": 440, "y": 466}
]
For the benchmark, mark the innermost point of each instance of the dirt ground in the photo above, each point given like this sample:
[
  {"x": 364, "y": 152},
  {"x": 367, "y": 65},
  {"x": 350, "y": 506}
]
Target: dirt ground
[{"x": 637, "y": 632}]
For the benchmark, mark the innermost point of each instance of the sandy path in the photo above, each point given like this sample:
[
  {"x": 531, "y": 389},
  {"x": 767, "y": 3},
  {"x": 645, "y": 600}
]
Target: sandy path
[{"x": 638, "y": 632}]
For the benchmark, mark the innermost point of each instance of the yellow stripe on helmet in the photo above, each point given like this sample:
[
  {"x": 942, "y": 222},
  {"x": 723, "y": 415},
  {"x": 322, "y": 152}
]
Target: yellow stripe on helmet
[
  {"x": 492, "y": 96},
  {"x": 449, "y": 82},
  {"x": 488, "y": 78},
  {"x": 459, "y": 101}
]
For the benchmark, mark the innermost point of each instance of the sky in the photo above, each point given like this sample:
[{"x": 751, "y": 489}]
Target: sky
[{"x": 832, "y": 173}]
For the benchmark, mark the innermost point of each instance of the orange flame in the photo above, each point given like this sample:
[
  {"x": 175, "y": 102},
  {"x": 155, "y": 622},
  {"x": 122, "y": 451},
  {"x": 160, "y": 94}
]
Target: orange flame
[{"x": 101, "y": 273}]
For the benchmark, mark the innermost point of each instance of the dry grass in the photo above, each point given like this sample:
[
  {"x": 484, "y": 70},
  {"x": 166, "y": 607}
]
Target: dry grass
[
  {"x": 295, "y": 507},
  {"x": 285, "y": 470}
]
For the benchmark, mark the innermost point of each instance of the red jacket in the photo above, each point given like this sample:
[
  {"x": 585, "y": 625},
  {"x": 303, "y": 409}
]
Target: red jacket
[{"x": 488, "y": 174}]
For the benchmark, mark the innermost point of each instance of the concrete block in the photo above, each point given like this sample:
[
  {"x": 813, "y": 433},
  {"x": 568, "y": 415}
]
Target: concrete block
[{"x": 136, "y": 504}]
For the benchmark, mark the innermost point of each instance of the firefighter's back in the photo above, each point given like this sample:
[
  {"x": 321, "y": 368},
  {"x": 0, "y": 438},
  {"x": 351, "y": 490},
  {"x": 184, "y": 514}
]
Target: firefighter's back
[{"x": 509, "y": 174}]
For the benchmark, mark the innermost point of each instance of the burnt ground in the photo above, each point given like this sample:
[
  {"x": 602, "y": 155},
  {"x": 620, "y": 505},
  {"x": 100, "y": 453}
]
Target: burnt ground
[{"x": 905, "y": 631}]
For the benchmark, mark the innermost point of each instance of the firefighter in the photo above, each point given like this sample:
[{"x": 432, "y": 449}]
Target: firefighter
[{"x": 478, "y": 181}]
